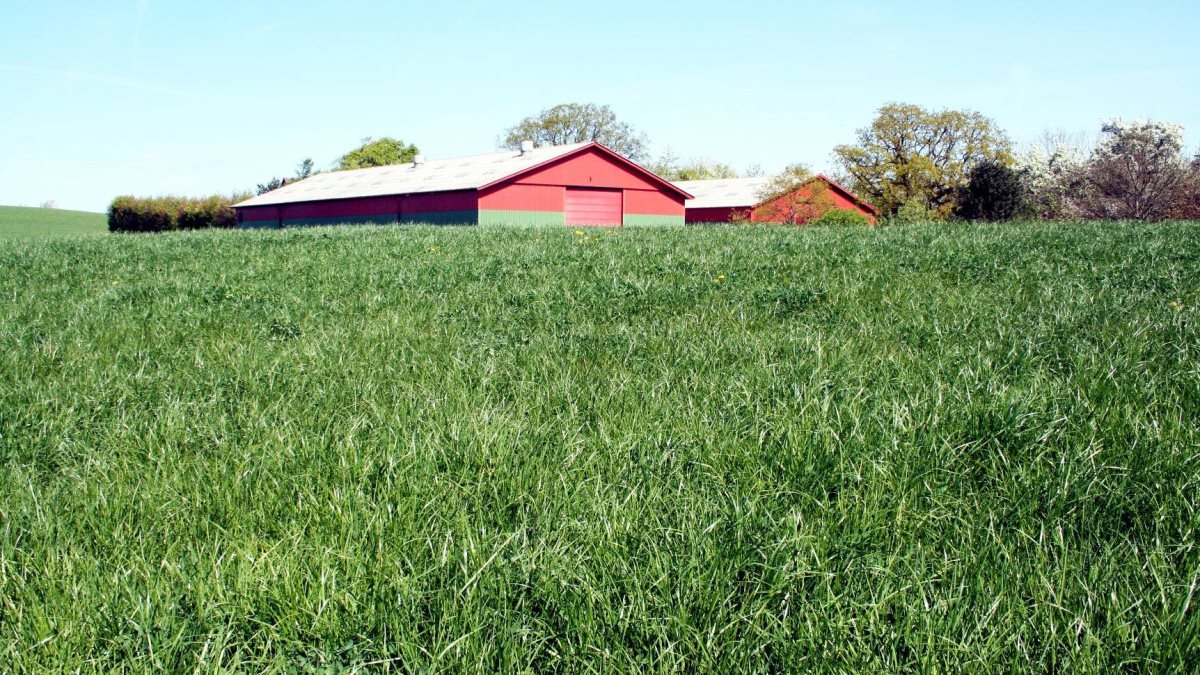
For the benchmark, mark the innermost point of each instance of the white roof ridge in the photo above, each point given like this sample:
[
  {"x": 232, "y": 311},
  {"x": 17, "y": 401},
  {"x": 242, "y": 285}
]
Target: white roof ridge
[
  {"x": 724, "y": 192},
  {"x": 745, "y": 179},
  {"x": 466, "y": 172}
]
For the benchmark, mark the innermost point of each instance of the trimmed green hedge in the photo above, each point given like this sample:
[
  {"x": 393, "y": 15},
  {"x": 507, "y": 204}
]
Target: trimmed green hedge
[{"x": 166, "y": 214}]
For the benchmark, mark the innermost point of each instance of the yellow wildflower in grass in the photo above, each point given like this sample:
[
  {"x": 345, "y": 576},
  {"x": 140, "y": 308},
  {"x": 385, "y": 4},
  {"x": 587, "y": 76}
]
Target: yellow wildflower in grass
[
  {"x": 1176, "y": 305},
  {"x": 578, "y": 233},
  {"x": 720, "y": 278}
]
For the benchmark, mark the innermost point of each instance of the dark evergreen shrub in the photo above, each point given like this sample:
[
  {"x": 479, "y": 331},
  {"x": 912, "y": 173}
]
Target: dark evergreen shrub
[{"x": 994, "y": 193}]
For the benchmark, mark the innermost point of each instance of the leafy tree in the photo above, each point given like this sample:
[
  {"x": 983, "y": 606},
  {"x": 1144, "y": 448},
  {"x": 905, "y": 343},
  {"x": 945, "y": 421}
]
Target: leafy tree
[
  {"x": 381, "y": 152},
  {"x": 576, "y": 123},
  {"x": 303, "y": 170},
  {"x": 670, "y": 167},
  {"x": 1137, "y": 171},
  {"x": 273, "y": 184},
  {"x": 994, "y": 193},
  {"x": 910, "y": 153},
  {"x": 841, "y": 218},
  {"x": 844, "y": 179},
  {"x": 699, "y": 169},
  {"x": 792, "y": 196},
  {"x": 912, "y": 211},
  {"x": 792, "y": 177}
]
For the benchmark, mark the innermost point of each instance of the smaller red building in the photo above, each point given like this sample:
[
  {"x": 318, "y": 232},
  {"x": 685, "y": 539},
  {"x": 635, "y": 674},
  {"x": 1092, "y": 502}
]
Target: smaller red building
[{"x": 728, "y": 199}]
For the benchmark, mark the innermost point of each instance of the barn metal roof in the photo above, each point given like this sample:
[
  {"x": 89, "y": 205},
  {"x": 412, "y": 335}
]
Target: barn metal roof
[
  {"x": 435, "y": 175},
  {"x": 747, "y": 192},
  {"x": 724, "y": 192}
]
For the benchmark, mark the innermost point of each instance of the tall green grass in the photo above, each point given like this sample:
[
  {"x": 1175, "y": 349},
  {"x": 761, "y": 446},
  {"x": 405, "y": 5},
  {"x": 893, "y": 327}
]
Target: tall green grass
[
  {"x": 23, "y": 222},
  {"x": 732, "y": 449}
]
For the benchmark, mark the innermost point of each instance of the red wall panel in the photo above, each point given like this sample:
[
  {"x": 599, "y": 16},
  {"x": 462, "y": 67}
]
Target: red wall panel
[
  {"x": 258, "y": 213},
  {"x": 719, "y": 214},
  {"x": 653, "y": 202},
  {"x": 432, "y": 202},
  {"x": 366, "y": 206},
  {"x": 362, "y": 207},
  {"x": 518, "y": 197}
]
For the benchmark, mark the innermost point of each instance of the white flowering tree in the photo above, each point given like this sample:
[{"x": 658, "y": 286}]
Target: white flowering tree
[
  {"x": 669, "y": 166},
  {"x": 1137, "y": 171},
  {"x": 1054, "y": 170}
]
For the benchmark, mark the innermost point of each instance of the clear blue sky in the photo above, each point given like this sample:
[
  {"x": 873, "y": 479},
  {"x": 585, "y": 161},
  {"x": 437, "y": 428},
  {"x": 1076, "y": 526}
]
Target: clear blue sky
[{"x": 151, "y": 97}]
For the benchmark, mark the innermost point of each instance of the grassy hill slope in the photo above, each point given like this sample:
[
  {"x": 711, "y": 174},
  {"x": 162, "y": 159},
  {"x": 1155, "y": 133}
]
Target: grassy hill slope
[
  {"x": 732, "y": 449},
  {"x": 22, "y": 222}
]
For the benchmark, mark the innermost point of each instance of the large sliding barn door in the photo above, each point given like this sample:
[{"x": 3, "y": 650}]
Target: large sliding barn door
[{"x": 590, "y": 206}]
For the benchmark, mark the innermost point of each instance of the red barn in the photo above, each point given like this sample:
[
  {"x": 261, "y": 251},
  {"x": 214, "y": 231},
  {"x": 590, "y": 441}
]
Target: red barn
[
  {"x": 727, "y": 199},
  {"x": 565, "y": 185}
]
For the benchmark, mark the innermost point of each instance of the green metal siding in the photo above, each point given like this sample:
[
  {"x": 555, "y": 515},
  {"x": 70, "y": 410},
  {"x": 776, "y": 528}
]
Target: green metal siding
[
  {"x": 651, "y": 220},
  {"x": 525, "y": 218}
]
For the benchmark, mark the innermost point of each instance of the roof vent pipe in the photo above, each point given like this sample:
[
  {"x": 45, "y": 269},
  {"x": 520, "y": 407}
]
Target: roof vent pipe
[
  {"x": 418, "y": 160},
  {"x": 526, "y": 146}
]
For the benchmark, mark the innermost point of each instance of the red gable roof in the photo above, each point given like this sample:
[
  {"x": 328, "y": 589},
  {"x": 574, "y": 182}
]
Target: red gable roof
[{"x": 633, "y": 166}]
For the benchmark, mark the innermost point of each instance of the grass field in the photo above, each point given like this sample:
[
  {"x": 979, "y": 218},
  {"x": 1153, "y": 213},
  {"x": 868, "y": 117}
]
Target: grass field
[
  {"x": 731, "y": 449},
  {"x": 23, "y": 222}
]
